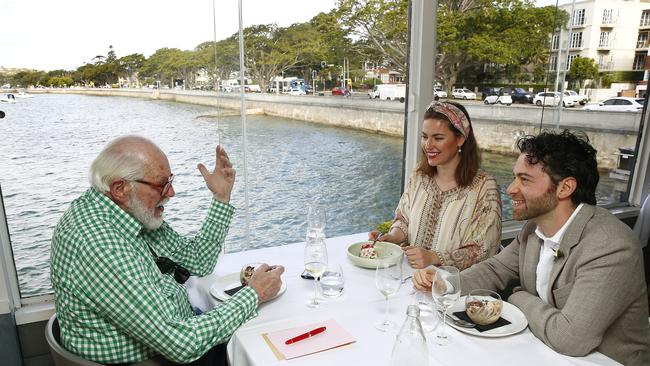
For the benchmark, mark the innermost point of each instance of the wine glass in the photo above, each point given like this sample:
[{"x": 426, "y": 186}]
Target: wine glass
[
  {"x": 316, "y": 217},
  {"x": 445, "y": 291},
  {"x": 315, "y": 263},
  {"x": 388, "y": 279}
]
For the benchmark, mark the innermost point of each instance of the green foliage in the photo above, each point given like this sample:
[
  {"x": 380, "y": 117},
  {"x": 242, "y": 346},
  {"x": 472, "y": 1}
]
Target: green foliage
[
  {"x": 582, "y": 68},
  {"x": 606, "y": 79},
  {"x": 384, "y": 227},
  {"x": 24, "y": 79},
  {"x": 59, "y": 81}
]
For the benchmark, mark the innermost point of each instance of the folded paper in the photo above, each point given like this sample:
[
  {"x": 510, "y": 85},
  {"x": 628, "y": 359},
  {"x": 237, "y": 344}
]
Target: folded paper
[{"x": 335, "y": 336}]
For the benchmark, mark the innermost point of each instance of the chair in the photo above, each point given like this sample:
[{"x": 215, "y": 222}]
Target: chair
[{"x": 60, "y": 355}]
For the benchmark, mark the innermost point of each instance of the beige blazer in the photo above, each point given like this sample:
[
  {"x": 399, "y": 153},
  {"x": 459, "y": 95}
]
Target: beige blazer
[{"x": 598, "y": 298}]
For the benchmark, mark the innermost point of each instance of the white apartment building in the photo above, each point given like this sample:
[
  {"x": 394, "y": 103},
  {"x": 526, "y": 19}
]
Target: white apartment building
[{"x": 615, "y": 33}]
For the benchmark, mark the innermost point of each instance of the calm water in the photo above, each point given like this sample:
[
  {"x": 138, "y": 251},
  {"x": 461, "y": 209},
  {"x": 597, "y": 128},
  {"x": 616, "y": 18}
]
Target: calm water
[{"x": 49, "y": 141}]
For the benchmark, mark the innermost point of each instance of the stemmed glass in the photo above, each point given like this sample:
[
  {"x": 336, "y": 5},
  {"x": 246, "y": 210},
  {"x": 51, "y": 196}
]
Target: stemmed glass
[
  {"x": 315, "y": 263},
  {"x": 445, "y": 291},
  {"x": 316, "y": 218},
  {"x": 388, "y": 279}
]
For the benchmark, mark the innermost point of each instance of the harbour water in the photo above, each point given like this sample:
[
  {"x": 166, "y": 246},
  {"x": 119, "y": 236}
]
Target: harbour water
[{"x": 49, "y": 141}]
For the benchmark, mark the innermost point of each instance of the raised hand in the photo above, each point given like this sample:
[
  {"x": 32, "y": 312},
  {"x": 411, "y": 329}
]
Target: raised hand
[{"x": 221, "y": 180}]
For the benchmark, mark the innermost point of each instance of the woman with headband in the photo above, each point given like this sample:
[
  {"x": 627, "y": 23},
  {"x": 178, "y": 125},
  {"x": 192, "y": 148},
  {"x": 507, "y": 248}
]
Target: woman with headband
[{"x": 450, "y": 212}]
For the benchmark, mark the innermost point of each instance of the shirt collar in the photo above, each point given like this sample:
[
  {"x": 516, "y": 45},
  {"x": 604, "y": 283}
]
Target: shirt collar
[
  {"x": 121, "y": 220},
  {"x": 554, "y": 241}
]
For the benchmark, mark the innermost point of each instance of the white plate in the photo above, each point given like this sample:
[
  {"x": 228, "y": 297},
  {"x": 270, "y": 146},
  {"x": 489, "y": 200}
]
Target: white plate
[
  {"x": 510, "y": 312},
  {"x": 229, "y": 281}
]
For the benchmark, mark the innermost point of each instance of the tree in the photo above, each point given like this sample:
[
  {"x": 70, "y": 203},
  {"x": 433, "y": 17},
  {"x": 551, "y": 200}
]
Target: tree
[
  {"x": 381, "y": 24},
  {"x": 470, "y": 33},
  {"x": 582, "y": 69},
  {"x": 128, "y": 66}
]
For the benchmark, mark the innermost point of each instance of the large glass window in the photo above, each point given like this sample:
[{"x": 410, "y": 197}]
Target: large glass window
[
  {"x": 576, "y": 40},
  {"x": 608, "y": 16},
  {"x": 578, "y": 17},
  {"x": 604, "y": 39},
  {"x": 553, "y": 62},
  {"x": 309, "y": 130},
  {"x": 645, "y": 19},
  {"x": 555, "y": 43},
  {"x": 639, "y": 61},
  {"x": 642, "y": 40}
]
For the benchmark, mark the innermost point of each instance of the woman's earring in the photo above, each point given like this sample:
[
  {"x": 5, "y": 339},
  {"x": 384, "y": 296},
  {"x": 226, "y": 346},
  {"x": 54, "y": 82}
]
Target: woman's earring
[{"x": 460, "y": 150}]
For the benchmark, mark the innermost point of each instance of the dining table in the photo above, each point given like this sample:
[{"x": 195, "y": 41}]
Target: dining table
[{"x": 357, "y": 310}]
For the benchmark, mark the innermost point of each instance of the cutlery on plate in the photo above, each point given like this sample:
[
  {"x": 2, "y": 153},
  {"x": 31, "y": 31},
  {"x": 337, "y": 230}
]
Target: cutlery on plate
[
  {"x": 457, "y": 321},
  {"x": 406, "y": 279}
]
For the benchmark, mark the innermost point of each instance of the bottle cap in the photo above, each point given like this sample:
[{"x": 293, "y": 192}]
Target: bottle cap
[{"x": 413, "y": 310}]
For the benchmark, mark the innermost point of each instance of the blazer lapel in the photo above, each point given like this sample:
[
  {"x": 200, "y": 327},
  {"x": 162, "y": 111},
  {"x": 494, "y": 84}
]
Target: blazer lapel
[
  {"x": 570, "y": 239},
  {"x": 531, "y": 258}
]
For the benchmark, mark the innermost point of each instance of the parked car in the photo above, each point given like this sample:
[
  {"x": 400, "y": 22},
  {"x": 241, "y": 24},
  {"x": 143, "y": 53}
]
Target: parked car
[
  {"x": 620, "y": 104},
  {"x": 498, "y": 98},
  {"x": 520, "y": 95},
  {"x": 297, "y": 91},
  {"x": 577, "y": 98},
  {"x": 463, "y": 93},
  {"x": 337, "y": 90},
  {"x": 439, "y": 93},
  {"x": 551, "y": 98}
]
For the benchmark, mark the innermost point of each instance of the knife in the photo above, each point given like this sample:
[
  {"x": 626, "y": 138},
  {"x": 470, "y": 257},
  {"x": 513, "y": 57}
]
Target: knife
[{"x": 309, "y": 334}]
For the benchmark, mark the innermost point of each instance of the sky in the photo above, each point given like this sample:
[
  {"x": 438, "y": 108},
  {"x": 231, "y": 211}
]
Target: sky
[{"x": 65, "y": 34}]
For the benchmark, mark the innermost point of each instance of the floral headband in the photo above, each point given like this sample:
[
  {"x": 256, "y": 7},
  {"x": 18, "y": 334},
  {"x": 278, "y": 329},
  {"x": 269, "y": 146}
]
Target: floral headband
[{"x": 457, "y": 118}]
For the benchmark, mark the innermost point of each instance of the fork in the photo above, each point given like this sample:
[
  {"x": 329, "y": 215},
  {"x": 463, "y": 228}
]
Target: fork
[{"x": 459, "y": 322}]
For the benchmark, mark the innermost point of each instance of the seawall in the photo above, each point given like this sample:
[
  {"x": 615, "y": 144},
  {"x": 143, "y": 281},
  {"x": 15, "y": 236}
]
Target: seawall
[{"x": 497, "y": 128}]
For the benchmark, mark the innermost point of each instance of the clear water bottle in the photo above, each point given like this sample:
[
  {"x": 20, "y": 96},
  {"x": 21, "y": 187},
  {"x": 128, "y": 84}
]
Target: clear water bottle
[{"x": 411, "y": 345}]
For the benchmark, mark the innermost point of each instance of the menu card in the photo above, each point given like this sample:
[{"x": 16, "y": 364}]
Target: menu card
[{"x": 334, "y": 336}]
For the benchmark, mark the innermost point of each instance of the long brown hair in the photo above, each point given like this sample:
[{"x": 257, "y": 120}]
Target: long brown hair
[{"x": 470, "y": 156}]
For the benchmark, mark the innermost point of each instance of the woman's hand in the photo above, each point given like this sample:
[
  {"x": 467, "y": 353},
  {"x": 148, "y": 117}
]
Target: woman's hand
[
  {"x": 375, "y": 235},
  {"x": 423, "y": 278},
  {"x": 420, "y": 257}
]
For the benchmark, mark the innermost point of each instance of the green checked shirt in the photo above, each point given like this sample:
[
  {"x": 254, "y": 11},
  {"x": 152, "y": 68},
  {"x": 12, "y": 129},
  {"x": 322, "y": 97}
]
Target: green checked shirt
[{"x": 112, "y": 302}]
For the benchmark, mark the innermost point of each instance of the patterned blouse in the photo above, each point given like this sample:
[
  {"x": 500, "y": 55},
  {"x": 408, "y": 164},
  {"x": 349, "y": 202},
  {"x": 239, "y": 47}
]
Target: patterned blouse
[{"x": 462, "y": 225}]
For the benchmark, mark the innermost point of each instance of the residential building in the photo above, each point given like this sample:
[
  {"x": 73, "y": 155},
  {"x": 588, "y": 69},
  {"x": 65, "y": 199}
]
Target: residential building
[{"x": 612, "y": 32}]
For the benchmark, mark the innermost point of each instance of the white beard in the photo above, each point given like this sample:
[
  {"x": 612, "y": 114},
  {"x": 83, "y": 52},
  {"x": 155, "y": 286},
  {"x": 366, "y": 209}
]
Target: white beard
[{"x": 146, "y": 217}]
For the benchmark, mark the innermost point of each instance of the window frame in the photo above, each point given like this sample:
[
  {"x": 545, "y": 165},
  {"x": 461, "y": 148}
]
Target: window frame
[{"x": 420, "y": 91}]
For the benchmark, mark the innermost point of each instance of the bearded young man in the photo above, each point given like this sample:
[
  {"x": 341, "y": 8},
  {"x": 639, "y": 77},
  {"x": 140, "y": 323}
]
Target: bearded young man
[
  {"x": 577, "y": 269},
  {"x": 117, "y": 267}
]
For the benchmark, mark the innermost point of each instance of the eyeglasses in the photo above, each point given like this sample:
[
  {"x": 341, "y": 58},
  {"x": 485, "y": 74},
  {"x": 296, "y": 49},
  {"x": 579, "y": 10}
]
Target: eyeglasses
[
  {"x": 166, "y": 265},
  {"x": 163, "y": 188}
]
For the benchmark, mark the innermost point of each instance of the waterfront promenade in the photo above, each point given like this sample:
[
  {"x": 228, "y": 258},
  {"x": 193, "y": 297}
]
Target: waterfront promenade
[{"x": 497, "y": 127}]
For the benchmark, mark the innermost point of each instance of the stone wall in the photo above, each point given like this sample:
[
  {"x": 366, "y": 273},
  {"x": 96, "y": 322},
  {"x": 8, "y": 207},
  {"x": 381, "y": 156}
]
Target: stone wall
[{"x": 497, "y": 128}]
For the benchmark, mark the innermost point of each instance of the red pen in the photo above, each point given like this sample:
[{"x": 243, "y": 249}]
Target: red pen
[{"x": 311, "y": 333}]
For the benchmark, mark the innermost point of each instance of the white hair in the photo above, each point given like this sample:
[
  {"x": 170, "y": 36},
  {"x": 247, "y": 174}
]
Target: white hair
[{"x": 120, "y": 159}]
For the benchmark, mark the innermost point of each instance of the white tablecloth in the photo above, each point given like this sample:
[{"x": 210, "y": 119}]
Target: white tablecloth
[{"x": 360, "y": 306}]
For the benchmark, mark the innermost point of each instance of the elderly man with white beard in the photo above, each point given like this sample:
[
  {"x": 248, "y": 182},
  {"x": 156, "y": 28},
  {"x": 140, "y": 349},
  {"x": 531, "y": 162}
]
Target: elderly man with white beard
[{"x": 117, "y": 267}]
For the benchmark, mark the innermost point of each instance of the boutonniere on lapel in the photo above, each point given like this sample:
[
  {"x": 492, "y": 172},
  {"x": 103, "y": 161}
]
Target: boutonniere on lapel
[{"x": 557, "y": 254}]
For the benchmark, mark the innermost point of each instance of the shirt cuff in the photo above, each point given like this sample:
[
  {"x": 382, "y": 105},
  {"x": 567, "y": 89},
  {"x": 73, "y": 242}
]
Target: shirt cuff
[
  {"x": 248, "y": 297},
  {"x": 221, "y": 212}
]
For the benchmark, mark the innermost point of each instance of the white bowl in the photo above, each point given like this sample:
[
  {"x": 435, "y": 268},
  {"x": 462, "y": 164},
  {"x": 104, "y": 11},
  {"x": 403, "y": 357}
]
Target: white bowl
[{"x": 385, "y": 251}]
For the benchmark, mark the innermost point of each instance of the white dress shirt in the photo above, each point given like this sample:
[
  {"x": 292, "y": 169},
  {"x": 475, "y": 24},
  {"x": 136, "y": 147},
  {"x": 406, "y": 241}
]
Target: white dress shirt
[{"x": 547, "y": 256}]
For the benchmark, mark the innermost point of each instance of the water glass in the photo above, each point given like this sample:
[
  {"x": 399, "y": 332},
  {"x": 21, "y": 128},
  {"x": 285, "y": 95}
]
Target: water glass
[
  {"x": 428, "y": 317},
  {"x": 332, "y": 282},
  {"x": 445, "y": 291}
]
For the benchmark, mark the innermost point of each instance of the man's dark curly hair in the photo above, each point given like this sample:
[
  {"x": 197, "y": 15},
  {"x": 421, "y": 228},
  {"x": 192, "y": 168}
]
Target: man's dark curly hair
[{"x": 563, "y": 154}]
